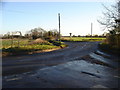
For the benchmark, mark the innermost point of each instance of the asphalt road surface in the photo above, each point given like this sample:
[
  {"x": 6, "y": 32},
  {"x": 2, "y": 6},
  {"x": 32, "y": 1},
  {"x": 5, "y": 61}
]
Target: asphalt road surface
[
  {"x": 20, "y": 64},
  {"x": 16, "y": 69}
]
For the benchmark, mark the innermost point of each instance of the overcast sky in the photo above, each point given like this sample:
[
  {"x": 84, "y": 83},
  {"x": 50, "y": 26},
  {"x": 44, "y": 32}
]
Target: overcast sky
[{"x": 76, "y": 17}]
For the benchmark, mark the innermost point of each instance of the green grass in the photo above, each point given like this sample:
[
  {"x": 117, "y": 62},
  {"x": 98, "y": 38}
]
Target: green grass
[
  {"x": 28, "y": 48},
  {"x": 82, "y": 39},
  {"x": 25, "y": 46},
  {"x": 7, "y": 43}
]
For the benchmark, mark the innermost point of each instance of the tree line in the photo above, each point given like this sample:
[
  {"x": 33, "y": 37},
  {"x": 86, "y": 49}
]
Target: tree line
[{"x": 34, "y": 34}]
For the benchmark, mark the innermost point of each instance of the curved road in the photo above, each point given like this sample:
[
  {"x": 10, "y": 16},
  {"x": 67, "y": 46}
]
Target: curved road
[{"x": 19, "y": 64}]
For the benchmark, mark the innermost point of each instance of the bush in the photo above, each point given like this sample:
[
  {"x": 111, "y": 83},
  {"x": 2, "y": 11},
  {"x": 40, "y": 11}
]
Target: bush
[
  {"x": 56, "y": 43},
  {"x": 109, "y": 48},
  {"x": 113, "y": 40}
]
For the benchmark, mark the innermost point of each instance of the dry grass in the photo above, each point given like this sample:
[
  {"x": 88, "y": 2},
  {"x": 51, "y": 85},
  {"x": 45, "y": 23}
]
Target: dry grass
[{"x": 39, "y": 41}]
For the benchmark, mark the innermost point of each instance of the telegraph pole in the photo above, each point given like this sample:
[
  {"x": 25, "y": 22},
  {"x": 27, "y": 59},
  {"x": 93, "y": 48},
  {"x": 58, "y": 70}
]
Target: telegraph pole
[
  {"x": 59, "y": 24},
  {"x": 91, "y": 29}
]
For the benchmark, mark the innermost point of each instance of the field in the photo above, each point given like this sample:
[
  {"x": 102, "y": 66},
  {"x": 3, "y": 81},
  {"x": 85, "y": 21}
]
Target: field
[
  {"x": 24, "y": 43},
  {"x": 82, "y": 38},
  {"x": 22, "y": 46}
]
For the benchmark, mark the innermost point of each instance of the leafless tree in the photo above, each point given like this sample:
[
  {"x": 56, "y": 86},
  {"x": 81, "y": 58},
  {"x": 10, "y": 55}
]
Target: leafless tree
[
  {"x": 41, "y": 33},
  {"x": 111, "y": 18},
  {"x": 35, "y": 33}
]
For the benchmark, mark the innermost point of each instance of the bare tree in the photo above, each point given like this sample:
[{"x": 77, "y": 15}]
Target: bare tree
[
  {"x": 41, "y": 33},
  {"x": 110, "y": 18},
  {"x": 111, "y": 21},
  {"x": 35, "y": 33}
]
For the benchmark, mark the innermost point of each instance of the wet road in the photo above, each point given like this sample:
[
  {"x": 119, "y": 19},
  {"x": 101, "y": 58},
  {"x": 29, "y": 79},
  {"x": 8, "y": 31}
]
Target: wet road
[
  {"x": 20, "y": 64},
  {"x": 60, "y": 69}
]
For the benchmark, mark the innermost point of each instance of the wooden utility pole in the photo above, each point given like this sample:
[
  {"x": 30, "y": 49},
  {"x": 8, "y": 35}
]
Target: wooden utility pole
[
  {"x": 59, "y": 24},
  {"x": 91, "y": 29}
]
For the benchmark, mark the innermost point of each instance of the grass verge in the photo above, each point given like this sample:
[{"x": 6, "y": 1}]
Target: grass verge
[
  {"x": 82, "y": 39},
  {"x": 109, "y": 48},
  {"x": 27, "y": 47}
]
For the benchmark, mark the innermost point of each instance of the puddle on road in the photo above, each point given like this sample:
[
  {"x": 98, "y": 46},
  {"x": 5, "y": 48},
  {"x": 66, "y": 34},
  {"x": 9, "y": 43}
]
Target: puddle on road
[
  {"x": 81, "y": 73},
  {"x": 79, "y": 70}
]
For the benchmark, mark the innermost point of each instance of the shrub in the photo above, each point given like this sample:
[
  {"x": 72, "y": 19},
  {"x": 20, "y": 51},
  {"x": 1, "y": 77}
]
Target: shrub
[
  {"x": 56, "y": 43},
  {"x": 113, "y": 40}
]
